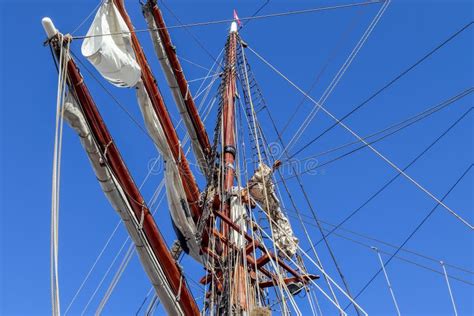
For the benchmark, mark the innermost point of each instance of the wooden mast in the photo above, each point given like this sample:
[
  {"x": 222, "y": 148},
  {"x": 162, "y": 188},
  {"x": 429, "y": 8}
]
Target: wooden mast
[
  {"x": 189, "y": 183},
  {"x": 111, "y": 153},
  {"x": 178, "y": 73},
  {"x": 238, "y": 287}
]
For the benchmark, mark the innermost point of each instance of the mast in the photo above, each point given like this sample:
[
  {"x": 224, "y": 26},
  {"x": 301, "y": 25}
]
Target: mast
[
  {"x": 125, "y": 196},
  {"x": 239, "y": 289},
  {"x": 174, "y": 74},
  {"x": 189, "y": 183},
  {"x": 228, "y": 116}
]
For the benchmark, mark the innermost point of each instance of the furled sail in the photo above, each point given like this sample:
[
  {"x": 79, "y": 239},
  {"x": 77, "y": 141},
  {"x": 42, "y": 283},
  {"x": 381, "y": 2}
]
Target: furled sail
[
  {"x": 262, "y": 189},
  {"x": 111, "y": 54},
  {"x": 182, "y": 95},
  {"x": 178, "y": 205},
  {"x": 117, "y": 197}
]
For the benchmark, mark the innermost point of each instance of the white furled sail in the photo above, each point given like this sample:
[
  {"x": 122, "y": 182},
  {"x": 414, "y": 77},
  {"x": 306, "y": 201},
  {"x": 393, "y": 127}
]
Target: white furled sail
[
  {"x": 262, "y": 189},
  {"x": 238, "y": 215},
  {"x": 178, "y": 206},
  {"x": 178, "y": 97},
  {"x": 118, "y": 198},
  {"x": 108, "y": 47}
]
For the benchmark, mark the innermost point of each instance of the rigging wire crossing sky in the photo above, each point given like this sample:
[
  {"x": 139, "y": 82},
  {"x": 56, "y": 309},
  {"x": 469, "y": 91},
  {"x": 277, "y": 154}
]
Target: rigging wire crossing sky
[{"x": 406, "y": 88}]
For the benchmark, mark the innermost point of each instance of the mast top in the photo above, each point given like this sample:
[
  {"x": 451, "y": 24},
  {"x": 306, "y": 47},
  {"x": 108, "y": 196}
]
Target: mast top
[
  {"x": 233, "y": 27},
  {"x": 49, "y": 27}
]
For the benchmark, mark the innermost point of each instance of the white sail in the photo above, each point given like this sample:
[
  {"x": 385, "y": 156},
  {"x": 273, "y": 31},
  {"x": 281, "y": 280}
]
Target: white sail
[
  {"x": 108, "y": 47},
  {"x": 178, "y": 206}
]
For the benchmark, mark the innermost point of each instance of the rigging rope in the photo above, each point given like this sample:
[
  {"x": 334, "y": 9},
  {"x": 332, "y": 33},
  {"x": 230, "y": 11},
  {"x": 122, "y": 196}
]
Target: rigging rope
[
  {"x": 257, "y": 17},
  {"x": 386, "y": 86},
  {"x": 388, "y": 280},
  {"x": 338, "y": 75},
  {"x": 377, "y": 152},
  {"x": 414, "y": 231},
  {"x": 449, "y": 288},
  {"x": 335, "y": 51},
  {"x": 56, "y": 175}
]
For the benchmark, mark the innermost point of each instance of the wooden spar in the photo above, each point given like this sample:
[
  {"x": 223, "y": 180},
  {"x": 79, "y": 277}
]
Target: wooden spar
[
  {"x": 117, "y": 166},
  {"x": 189, "y": 183},
  {"x": 178, "y": 73}
]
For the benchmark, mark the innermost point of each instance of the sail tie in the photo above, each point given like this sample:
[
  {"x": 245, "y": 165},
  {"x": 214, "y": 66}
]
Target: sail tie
[
  {"x": 142, "y": 217},
  {"x": 104, "y": 156},
  {"x": 178, "y": 296}
]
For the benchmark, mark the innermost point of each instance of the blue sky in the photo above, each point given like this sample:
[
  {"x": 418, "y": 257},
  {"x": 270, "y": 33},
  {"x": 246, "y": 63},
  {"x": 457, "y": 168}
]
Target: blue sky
[{"x": 299, "y": 46}]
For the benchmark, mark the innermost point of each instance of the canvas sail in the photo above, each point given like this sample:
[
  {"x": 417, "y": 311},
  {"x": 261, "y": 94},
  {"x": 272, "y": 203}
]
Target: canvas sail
[
  {"x": 108, "y": 47},
  {"x": 179, "y": 209}
]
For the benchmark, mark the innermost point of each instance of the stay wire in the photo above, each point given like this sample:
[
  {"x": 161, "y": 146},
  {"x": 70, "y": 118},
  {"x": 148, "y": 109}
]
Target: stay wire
[
  {"x": 388, "y": 183},
  {"x": 335, "y": 51},
  {"x": 413, "y": 232},
  {"x": 257, "y": 17},
  {"x": 386, "y": 86},
  {"x": 411, "y": 122}
]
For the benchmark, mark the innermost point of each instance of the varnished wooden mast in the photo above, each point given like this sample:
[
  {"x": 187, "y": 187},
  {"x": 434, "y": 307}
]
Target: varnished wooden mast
[
  {"x": 180, "y": 78},
  {"x": 189, "y": 183},
  {"x": 117, "y": 165}
]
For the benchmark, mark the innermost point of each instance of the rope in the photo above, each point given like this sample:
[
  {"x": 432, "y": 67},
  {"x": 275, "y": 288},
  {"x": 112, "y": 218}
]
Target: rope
[
  {"x": 377, "y": 152},
  {"x": 388, "y": 85},
  {"x": 116, "y": 278},
  {"x": 92, "y": 267},
  {"x": 257, "y": 17},
  {"x": 56, "y": 176},
  {"x": 388, "y": 281},
  {"x": 339, "y": 75},
  {"x": 150, "y": 291},
  {"x": 449, "y": 288},
  {"x": 104, "y": 276},
  {"x": 88, "y": 16},
  {"x": 334, "y": 52}
]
